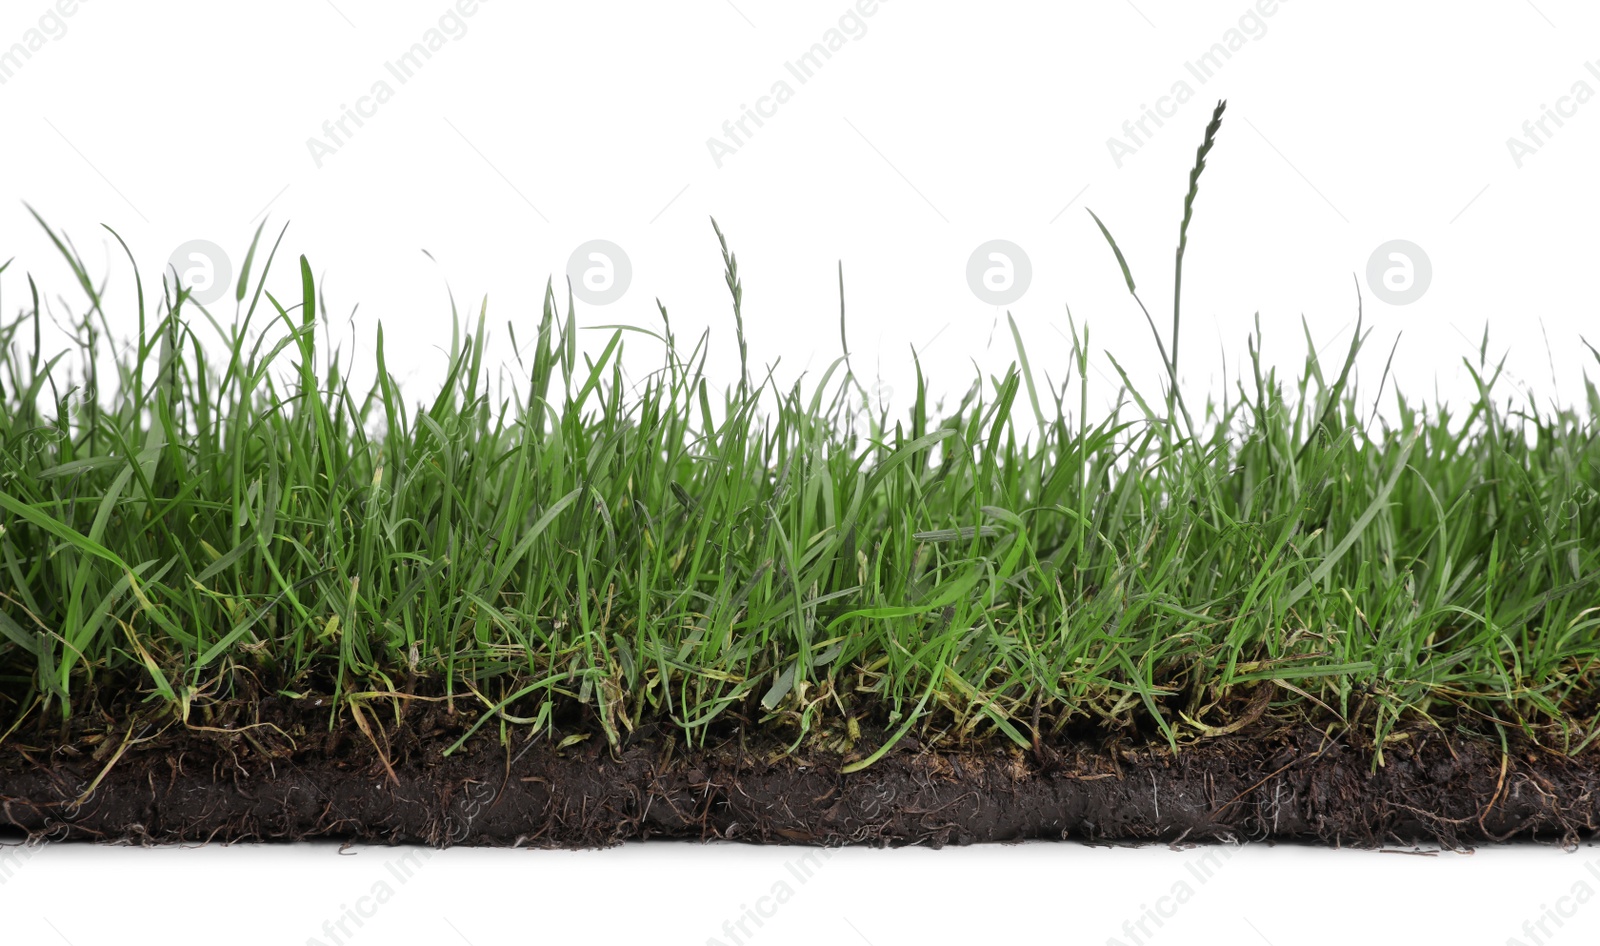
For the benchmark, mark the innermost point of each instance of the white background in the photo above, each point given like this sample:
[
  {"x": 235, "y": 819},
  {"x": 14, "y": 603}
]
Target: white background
[
  {"x": 937, "y": 128},
  {"x": 668, "y": 892}
]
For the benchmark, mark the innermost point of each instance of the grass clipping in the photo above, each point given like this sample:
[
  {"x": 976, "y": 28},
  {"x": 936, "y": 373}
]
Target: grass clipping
[{"x": 587, "y": 555}]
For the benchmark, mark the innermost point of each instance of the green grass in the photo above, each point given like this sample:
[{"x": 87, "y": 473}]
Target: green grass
[{"x": 588, "y": 550}]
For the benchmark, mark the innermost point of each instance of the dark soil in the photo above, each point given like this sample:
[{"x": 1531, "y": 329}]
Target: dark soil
[{"x": 294, "y": 779}]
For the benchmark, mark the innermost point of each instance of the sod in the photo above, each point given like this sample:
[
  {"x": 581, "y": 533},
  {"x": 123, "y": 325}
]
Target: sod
[{"x": 241, "y": 599}]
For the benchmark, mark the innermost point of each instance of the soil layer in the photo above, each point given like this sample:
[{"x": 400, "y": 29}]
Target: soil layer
[{"x": 388, "y": 781}]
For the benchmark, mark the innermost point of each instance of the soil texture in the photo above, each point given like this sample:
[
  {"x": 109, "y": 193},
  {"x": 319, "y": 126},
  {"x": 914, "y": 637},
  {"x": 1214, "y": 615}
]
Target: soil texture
[{"x": 288, "y": 777}]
